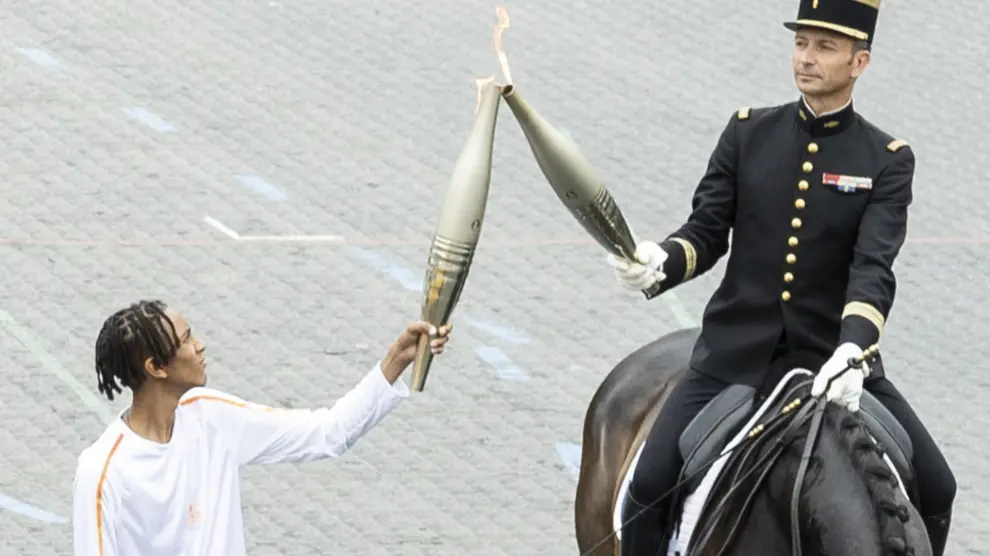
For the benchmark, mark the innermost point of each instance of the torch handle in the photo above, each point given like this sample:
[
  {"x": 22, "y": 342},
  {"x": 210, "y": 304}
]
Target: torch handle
[{"x": 652, "y": 291}]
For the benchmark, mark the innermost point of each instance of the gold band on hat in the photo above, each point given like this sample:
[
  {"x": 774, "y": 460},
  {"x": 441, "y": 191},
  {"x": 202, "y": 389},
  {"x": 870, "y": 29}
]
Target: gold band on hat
[{"x": 854, "y": 33}]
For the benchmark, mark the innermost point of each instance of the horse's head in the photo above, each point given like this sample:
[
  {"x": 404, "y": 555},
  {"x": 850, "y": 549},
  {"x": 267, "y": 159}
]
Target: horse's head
[{"x": 848, "y": 501}]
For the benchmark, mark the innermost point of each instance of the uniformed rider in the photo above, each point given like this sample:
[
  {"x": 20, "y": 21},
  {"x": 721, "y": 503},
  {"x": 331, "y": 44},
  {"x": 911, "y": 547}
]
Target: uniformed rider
[{"x": 817, "y": 200}]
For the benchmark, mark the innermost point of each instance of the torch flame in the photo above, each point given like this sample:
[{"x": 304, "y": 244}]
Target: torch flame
[{"x": 502, "y": 15}]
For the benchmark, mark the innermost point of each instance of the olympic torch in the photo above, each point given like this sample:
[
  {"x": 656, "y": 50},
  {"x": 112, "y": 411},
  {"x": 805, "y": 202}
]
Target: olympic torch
[
  {"x": 568, "y": 171},
  {"x": 459, "y": 226}
]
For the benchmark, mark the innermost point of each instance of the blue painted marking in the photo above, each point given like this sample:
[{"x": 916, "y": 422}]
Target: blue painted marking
[
  {"x": 28, "y": 510},
  {"x": 260, "y": 185},
  {"x": 503, "y": 332},
  {"x": 413, "y": 282},
  {"x": 500, "y": 362},
  {"x": 149, "y": 119},
  {"x": 570, "y": 458},
  {"x": 399, "y": 273},
  {"x": 40, "y": 57}
]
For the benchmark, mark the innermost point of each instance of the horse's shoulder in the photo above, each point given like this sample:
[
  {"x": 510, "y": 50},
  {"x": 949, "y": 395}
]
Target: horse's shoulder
[{"x": 634, "y": 384}]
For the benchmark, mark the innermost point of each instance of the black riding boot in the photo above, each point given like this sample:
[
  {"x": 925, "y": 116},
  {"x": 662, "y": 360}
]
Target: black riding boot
[
  {"x": 938, "y": 531},
  {"x": 642, "y": 535}
]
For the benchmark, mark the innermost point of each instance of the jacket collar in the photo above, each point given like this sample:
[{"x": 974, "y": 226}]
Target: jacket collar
[{"x": 826, "y": 124}]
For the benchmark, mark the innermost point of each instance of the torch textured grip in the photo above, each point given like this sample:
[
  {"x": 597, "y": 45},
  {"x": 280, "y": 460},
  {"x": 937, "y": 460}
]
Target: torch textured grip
[
  {"x": 446, "y": 273},
  {"x": 604, "y": 221}
]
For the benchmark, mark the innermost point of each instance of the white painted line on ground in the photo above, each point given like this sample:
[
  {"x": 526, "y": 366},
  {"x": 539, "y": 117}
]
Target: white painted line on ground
[
  {"x": 52, "y": 365},
  {"x": 42, "y": 58},
  {"x": 233, "y": 234},
  {"x": 220, "y": 227},
  {"x": 149, "y": 119},
  {"x": 28, "y": 510}
]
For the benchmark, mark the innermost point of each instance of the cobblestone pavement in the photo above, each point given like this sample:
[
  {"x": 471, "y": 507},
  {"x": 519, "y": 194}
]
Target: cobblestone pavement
[{"x": 124, "y": 123}]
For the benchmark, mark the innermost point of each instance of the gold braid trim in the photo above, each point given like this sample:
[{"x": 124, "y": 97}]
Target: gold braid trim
[
  {"x": 865, "y": 310},
  {"x": 690, "y": 258}
]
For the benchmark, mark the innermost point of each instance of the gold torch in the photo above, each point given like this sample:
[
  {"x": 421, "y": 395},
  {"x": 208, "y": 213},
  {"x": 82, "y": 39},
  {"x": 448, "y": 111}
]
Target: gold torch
[
  {"x": 459, "y": 225},
  {"x": 567, "y": 170}
]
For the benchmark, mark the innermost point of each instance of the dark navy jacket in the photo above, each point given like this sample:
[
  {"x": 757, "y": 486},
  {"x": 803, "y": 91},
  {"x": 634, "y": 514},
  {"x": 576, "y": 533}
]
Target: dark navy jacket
[{"x": 818, "y": 212}]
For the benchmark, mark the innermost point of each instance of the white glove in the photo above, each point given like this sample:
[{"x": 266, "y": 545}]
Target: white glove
[
  {"x": 645, "y": 273},
  {"x": 847, "y": 389}
]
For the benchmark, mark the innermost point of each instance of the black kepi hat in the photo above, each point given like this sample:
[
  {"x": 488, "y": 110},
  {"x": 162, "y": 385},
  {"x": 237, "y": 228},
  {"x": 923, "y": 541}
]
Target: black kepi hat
[{"x": 853, "y": 18}]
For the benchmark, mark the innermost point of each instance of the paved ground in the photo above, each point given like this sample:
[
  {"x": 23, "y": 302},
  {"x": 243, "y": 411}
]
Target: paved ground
[{"x": 344, "y": 118}]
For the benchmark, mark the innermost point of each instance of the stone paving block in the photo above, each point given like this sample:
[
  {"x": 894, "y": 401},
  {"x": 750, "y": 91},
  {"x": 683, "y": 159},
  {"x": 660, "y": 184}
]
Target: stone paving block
[{"x": 351, "y": 115}]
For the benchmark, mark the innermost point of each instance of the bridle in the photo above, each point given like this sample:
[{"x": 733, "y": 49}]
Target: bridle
[
  {"x": 779, "y": 431},
  {"x": 788, "y": 421}
]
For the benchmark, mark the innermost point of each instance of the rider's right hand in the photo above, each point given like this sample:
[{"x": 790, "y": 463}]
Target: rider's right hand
[{"x": 643, "y": 274}]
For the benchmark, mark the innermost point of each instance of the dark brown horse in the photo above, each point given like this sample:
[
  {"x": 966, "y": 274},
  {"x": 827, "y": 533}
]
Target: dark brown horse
[{"x": 849, "y": 500}]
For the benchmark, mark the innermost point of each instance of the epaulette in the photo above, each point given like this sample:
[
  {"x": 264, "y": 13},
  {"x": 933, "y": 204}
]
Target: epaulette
[
  {"x": 743, "y": 113},
  {"x": 896, "y": 145}
]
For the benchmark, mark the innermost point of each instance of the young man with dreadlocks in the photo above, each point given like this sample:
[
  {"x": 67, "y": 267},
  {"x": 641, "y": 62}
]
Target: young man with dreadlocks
[{"x": 163, "y": 478}]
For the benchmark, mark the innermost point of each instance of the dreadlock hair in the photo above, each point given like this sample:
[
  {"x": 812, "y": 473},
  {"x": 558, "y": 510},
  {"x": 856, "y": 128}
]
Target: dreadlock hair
[{"x": 128, "y": 338}]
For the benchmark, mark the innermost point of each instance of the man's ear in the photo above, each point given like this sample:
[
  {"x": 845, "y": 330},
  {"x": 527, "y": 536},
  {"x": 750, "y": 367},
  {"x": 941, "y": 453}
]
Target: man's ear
[
  {"x": 860, "y": 62},
  {"x": 152, "y": 370}
]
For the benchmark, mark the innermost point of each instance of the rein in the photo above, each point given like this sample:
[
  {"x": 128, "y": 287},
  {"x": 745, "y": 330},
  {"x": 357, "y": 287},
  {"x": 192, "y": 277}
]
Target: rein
[
  {"x": 757, "y": 436},
  {"x": 764, "y": 465},
  {"x": 809, "y": 446}
]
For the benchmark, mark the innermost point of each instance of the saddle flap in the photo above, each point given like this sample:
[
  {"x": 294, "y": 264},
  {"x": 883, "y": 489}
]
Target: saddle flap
[
  {"x": 889, "y": 433},
  {"x": 711, "y": 428}
]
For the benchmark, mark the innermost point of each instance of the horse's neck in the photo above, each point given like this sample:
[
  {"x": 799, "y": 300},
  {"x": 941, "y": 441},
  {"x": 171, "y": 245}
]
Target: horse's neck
[
  {"x": 837, "y": 515},
  {"x": 762, "y": 534}
]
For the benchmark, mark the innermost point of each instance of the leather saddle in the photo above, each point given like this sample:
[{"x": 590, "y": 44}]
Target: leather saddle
[{"x": 720, "y": 420}]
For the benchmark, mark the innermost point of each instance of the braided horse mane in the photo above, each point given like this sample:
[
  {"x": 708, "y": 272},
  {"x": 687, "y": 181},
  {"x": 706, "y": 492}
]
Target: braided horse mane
[
  {"x": 881, "y": 483},
  {"x": 750, "y": 466},
  {"x": 867, "y": 457}
]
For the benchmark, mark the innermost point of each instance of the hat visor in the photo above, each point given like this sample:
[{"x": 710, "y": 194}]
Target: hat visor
[{"x": 840, "y": 29}]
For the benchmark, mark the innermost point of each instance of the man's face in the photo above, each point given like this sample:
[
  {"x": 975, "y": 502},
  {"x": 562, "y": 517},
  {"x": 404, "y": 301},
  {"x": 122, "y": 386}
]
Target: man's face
[
  {"x": 188, "y": 368},
  {"x": 824, "y": 62}
]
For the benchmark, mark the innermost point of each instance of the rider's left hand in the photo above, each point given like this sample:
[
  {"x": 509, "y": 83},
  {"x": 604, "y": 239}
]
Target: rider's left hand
[{"x": 847, "y": 389}]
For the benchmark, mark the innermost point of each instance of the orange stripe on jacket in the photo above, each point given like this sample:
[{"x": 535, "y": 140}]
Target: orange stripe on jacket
[
  {"x": 99, "y": 493},
  {"x": 212, "y": 398},
  {"x": 226, "y": 401}
]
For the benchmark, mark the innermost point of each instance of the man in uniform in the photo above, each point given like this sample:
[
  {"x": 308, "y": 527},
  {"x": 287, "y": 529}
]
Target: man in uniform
[{"x": 817, "y": 198}]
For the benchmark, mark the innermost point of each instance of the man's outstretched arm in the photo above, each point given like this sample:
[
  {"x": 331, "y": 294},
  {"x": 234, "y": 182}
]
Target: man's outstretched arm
[
  {"x": 703, "y": 239},
  {"x": 263, "y": 434},
  {"x": 697, "y": 245}
]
